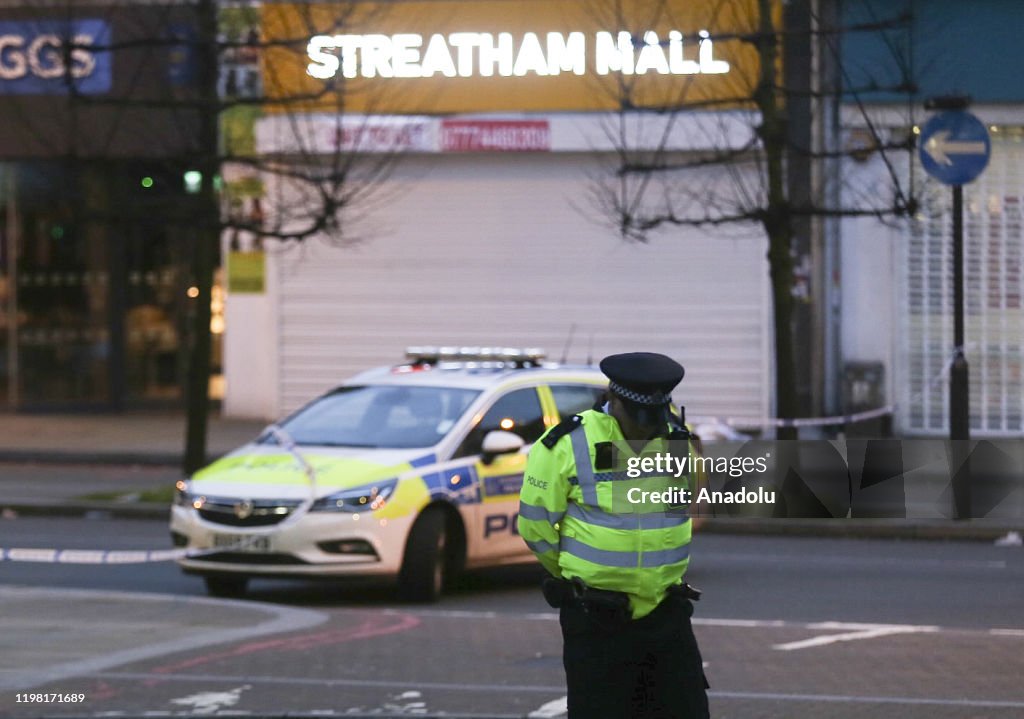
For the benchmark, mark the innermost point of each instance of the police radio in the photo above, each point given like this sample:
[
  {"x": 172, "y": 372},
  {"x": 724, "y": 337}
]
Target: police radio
[{"x": 679, "y": 430}]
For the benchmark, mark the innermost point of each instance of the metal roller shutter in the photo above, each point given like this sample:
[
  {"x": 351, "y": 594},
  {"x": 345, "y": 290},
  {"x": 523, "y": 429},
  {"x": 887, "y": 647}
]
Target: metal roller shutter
[
  {"x": 994, "y": 319},
  {"x": 493, "y": 250}
]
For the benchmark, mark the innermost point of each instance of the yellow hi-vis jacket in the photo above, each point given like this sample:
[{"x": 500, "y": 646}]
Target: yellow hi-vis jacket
[{"x": 580, "y": 523}]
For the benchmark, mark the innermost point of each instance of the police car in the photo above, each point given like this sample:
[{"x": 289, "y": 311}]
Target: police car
[{"x": 410, "y": 472}]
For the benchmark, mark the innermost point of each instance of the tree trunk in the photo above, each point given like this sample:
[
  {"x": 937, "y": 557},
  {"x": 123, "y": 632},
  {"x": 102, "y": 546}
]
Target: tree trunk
[
  {"x": 197, "y": 385},
  {"x": 777, "y": 217},
  {"x": 781, "y": 267}
]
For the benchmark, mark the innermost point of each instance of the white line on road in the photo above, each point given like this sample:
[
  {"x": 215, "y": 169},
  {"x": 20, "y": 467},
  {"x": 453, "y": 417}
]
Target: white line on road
[
  {"x": 1007, "y": 632},
  {"x": 521, "y": 688},
  {"x": 853, "y": 699},
  {"x": 712, "y": 558},
  {"x": 212, "y": 702},
  {"x": 859, "y": 631},
  {"x": 743, "y": 623},
  {"x": 557, "y": 708},
  {"x": 306, "y": 681},
  {"x": 713, "y": 622}
]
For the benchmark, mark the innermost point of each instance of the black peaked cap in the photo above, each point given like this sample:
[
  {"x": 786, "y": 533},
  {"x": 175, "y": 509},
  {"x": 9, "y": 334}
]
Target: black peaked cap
[{"x": 642, "y": 377}]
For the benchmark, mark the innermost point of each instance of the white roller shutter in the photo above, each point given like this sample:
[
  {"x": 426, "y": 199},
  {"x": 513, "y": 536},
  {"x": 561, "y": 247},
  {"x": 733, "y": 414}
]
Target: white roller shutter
[{"x": 493, "y": 250}]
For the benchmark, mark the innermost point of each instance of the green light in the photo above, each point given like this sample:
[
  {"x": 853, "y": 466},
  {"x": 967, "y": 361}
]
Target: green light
[
  {"x": 57, "y": 232},
  {"x": 147, "y": 182},
  {"x": 193, "y": 181}
]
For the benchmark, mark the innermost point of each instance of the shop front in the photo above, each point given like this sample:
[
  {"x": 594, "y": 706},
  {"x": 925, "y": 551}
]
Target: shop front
[
  {"x": 94, "y": 234},
  {"x": 94, "y": 299},
  {"x": 485, "y": 230},
  {"x": 898, "y": 311}
]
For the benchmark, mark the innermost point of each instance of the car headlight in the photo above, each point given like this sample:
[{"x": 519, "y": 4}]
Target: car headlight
[
  {"x": 182, "y": 493},
  {"x": 357, "y": 499},
  {"x": 184, "y": 496}
]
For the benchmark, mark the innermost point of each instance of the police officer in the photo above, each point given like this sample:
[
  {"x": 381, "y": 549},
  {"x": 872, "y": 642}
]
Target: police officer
[{"x": 616, "y": 570}]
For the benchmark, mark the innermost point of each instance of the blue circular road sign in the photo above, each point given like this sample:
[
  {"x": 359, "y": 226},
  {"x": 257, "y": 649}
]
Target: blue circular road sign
[{"x": 954, "y": 147}]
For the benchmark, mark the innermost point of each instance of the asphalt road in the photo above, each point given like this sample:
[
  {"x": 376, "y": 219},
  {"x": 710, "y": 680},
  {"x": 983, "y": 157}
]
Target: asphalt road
[{"x": 790, "y": 627}]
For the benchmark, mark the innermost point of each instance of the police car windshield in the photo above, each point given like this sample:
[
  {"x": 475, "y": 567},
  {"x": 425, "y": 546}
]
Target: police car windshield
[{"x": 385, "y": 416}]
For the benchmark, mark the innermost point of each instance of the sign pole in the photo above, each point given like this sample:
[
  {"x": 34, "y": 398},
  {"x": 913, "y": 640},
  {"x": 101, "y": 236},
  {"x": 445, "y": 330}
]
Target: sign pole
[
  {"x": 959, "y": 387},
  {"x": 955, "y": 148}
]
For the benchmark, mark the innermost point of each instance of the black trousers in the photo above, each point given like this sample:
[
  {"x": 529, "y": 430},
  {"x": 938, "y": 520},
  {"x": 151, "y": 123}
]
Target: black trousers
[{"x": 649, "y": 668}]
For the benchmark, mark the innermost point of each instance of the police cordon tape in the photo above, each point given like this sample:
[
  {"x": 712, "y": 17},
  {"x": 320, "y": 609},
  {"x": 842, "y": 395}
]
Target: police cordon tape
[
  {"x": 109, "y": 556},
  {"x": 733, "y": 422},
  {"x": 795, "y": 422},
  {"x": 91, "y": 556}
]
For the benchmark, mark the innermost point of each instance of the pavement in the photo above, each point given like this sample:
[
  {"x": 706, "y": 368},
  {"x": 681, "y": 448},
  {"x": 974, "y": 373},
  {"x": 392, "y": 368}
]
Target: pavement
[{"x": 123, "y": 438}]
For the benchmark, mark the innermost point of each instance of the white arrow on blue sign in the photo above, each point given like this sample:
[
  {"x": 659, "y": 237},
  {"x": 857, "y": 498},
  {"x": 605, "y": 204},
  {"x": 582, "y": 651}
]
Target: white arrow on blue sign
[{"x": 954, "y": 147}]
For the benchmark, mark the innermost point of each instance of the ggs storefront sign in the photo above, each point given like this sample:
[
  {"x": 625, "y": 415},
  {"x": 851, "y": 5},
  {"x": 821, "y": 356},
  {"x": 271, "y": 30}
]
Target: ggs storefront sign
[{"x": 40, "y": 57}]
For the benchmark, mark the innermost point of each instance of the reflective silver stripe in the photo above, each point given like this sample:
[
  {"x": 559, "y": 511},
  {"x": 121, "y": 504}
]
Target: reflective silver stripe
[
  {"x": 540, "y": 546},
  {"x": 540, "y": 514},
  {"x": 662, "y": 557},
  {"x": 601, "y": 518},
  {"x": 584, "y": 470},
  {"x": 599, "y": 556},
  {"x": 609, "y": 558}
]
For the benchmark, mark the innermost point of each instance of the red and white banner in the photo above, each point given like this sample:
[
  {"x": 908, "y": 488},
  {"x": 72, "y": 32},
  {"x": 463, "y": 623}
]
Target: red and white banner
[
  {"x": 495, "y": 136},
  {"x": 380, "y": 136}
]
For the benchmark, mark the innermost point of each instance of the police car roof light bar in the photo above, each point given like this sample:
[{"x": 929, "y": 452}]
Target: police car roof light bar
[{"x": 525, "y": 357}]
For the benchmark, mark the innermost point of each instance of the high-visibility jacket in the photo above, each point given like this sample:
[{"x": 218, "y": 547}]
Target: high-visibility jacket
[{"x": 577, "y": 521}]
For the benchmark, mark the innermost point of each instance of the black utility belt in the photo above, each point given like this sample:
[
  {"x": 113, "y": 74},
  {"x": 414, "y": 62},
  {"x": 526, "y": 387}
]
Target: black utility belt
[{"x": 560, "y": 593}]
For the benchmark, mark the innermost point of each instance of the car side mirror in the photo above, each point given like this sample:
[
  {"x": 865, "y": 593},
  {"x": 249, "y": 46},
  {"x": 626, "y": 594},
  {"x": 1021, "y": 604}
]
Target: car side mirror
[{"x": 498, "y": 441}]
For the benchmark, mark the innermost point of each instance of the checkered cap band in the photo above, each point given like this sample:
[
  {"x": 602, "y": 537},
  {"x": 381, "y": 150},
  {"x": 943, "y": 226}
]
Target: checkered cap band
[{"x": 654, "y": 400}]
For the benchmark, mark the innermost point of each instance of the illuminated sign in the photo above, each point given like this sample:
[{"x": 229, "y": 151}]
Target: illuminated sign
[
  {"x": 417, "y": 57},
  {"x": 470, "y": 54},
  {"x": 35, "y": 60}
]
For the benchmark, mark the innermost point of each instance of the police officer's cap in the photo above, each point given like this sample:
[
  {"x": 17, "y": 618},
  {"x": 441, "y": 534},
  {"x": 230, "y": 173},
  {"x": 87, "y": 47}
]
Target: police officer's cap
[{"x": 645, "y": 381}]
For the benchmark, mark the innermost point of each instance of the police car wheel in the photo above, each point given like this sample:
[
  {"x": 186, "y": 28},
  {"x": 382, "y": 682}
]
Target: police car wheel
[
  {"x": 225, "y": 586},
  {"x": 426, "y": 565}
]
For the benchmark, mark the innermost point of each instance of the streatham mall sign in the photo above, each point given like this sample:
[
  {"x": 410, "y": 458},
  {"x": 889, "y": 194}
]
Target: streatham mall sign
[{"x": 481, "y": 54}]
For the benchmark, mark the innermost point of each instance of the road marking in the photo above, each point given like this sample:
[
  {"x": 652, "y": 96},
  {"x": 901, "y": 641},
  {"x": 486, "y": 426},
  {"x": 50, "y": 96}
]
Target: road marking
[
  {"x": 370, "y": 627},
  {"x": 531, "y": 688},
  {"x": 853, "y": 699},
  {"x": 212, "y": 702},
  {"x": 859, "y": 631},
  {"x": 1007, "y": 632},
  {"x": 283, "y": 619},
  {"x": 557, "y": 708},
  {"x": 305, "y": 681},
  {"x": 854, "y": 561},
  {"x": 744, "y": 623},
  {"x": 707, "y": 621}
]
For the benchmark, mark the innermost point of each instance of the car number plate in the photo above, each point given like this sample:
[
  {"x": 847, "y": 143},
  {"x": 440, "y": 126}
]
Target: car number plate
[{"x": 242, "y": 542}]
